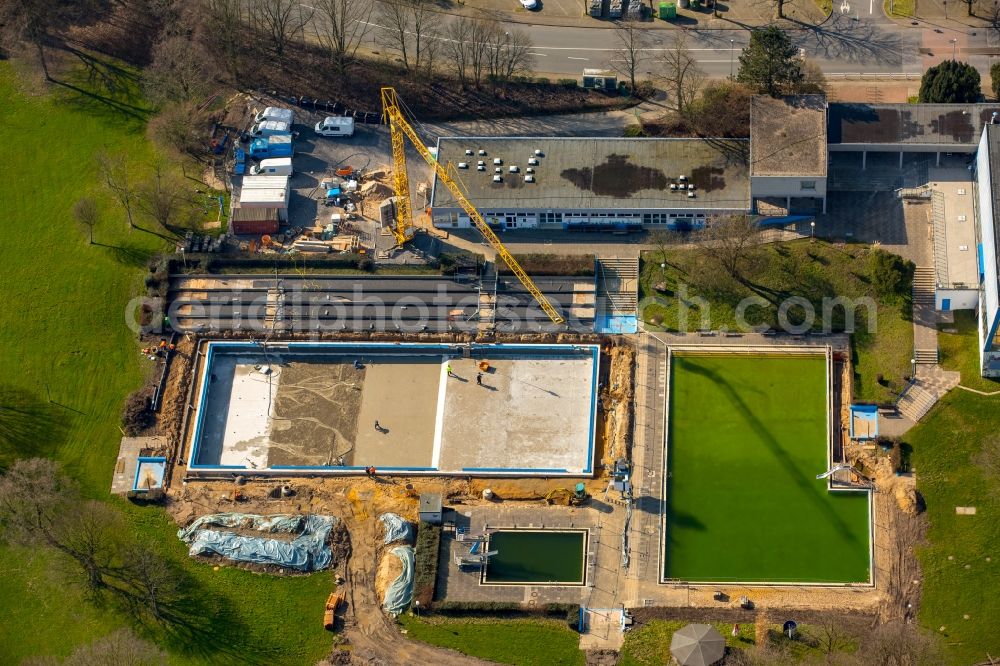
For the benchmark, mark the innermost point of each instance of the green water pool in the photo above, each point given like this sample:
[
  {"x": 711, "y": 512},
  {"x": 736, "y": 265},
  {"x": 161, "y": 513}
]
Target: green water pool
[{"x": 536, "y": 557}]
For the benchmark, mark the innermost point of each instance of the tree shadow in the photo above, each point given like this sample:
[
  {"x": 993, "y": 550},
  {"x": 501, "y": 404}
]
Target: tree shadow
[
  {"x": 30, "y": 427},
  {"x": 843, "y": 38},
  {"x": 128, "y": 255}
]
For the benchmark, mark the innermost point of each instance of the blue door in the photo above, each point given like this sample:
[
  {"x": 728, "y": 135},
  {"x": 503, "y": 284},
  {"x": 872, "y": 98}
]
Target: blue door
[{"x": 945, "y": 304}]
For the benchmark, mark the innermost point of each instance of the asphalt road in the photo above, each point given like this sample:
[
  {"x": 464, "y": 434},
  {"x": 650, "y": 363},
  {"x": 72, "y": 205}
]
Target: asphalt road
[{"x": 861, "y": 42}]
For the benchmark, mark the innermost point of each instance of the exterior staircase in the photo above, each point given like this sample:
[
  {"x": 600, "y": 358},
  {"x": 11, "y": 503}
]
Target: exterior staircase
[
  {"x": 487, "y": 298},
  {"x": 274, "y": 309},
  {"x": 916, "y": 401},
  {"x": 617, "y": 286},
  {"x": 924, "y": 316}
]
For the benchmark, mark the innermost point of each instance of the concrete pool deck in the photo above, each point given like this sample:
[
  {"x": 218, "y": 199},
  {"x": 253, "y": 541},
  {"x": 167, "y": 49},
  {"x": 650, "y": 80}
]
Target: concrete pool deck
[{"x": 306, "y": 408}]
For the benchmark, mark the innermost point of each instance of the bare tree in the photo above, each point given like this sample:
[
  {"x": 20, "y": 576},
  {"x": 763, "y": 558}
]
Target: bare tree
[
  {"x": 280, "y": 20},
  {"x": 177, "y": 72},
  {"x": 89, "y": 534},
  {"x": 813, "y": 82},
  {"x": 680, "y": 73},
  {"x": 900, "y": 644},
  {"x": 479, "y": 50},
  {"x": 34, "y": 494},
  {"x": 224, "y": 30},
  {"x": 341, "y": 25},
  {"x": 86, "y": 215},
  {"x": 154, "y": 583},
  {"x": 832, "y": 638},
  {"x": 181, "y": 128},
  {"x": 731, "y": 240},
  {"x": 630, "y": 51},
  {"x": 33, "y": 22},
  {"x": 509, "y": 53},
  {"x": 116, "y": 172},
  {"x": 397, "y": 28},
  {"x": 160, "y": 197},
  {"x": 118, "y": 648},
  {"x": 458, "y": 47}
]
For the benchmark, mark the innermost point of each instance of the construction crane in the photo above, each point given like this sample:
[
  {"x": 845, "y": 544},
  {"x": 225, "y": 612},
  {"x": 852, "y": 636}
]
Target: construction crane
[{"x": 400, "y": 130}]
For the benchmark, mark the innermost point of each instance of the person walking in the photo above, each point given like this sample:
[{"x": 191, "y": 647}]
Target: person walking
[
  {"x": 448, "y": 368},
  {"x": 479, "y": 379},
  {"x": 378, "y": 426}
]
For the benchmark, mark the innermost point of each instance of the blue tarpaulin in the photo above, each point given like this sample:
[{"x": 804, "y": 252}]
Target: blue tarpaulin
[
  {"x": 400, "y": 592},
  {"x": 308, "y": 551},
  {"x": 396, "y": 529}
]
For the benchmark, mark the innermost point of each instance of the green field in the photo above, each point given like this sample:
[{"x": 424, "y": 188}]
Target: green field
[
  {"x": 525, "y": 642},
  {"x": 63, "y": 334},
  {"x": 747, "y": 437},
  {"x": 526, "y": 556}
]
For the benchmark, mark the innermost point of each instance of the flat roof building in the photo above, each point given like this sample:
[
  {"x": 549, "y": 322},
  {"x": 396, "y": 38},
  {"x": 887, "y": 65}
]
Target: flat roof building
[
  {"x": 548, "y": 182},
  {"x": 788, "y": 153}
]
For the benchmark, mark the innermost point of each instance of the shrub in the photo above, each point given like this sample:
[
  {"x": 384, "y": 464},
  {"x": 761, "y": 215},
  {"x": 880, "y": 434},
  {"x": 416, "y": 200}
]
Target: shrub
[
  {"x": 554, "y": 264},
  {"x": 633, "y": 131},
  {"x": 995, "y": 79},
  {"x": 568, "y": 83},
  {"x": 543, "y": 81},
  {"x": 889, "y": 273},
  {"x": 365, "y": 263},
  {"x": 136, "y": 415},
  {"x": 951, "y": 82},
  {"x": 426, "y": 562}
]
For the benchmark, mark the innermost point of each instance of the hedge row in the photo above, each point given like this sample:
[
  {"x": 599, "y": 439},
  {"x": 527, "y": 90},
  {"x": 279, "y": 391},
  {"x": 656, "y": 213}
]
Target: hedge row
[
  {"x": 426, "y": 562},
  {"x": 553, "y": 264},
  {"x": 570, "y": 613}
]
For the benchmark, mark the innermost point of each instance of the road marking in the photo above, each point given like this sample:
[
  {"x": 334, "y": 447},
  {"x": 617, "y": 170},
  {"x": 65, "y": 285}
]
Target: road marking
[
  {"x": 544, "y": 55},
  {"x": 573, "y": 58}
]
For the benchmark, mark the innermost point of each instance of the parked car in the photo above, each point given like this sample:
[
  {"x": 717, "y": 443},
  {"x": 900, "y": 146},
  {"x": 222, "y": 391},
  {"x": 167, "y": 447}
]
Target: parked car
[
  {"x": 529, "y": 4},
  {"x": 335, "y": 126}
]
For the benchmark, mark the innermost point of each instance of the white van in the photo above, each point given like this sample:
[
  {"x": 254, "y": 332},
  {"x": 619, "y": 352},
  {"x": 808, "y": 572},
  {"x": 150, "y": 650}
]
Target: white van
[
  {"x": 335, "y": 126},
  {"x": 273, "y": 166},
  {"x": 267, "y": 128},
  {"x": 276, "y": 113}
]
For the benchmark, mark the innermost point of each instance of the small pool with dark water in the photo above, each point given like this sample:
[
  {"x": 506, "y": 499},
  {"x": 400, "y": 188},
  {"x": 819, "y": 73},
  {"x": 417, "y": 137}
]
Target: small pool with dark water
[{"x": 536, "y": 557}]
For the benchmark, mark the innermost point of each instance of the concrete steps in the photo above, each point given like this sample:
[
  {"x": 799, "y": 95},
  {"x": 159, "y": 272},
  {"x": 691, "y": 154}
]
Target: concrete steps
[
  {"x": 924, "y": 285},
  {"x": 926, "y": 356},
  {"x": 617, "y": 285},
  {"x": 916, "y": 401}
]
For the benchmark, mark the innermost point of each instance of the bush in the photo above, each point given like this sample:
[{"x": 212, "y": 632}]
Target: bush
[
  {"x": 543, "y": 81},
  {"x": 633, "y": 131},
  {"x": 889, "y": 273},
  {"x": 425, "y": 565},
  {"x": 136, "y": 415},
  {"x": 568, "y": 83},
  {"x": 365, "y": 263},
  {"x": 995, "y": 79},
  {"x": 570, "y": 613}
]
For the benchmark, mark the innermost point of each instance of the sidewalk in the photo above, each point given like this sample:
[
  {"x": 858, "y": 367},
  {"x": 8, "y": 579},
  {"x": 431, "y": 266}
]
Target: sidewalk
[{"x": 573, "y": 13}]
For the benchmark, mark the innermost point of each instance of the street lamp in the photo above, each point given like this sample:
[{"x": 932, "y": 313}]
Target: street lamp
[
  {"x": 953, "y": 42},
  {"x": 913, "y": 369},
  {"x": 732, "y": 51},
  {"x": 812, "y": 229},
  {"x": 945, "y": 10}
]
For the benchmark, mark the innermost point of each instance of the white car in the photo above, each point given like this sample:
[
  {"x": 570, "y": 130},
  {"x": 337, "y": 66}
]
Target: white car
[{"x": 529, "y": 4}]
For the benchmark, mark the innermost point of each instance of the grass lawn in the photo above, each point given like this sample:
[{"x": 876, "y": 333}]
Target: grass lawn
[
  {"x": 961, "y": 562},
  {"x": 62, "y": 329},
  {"x": 526, "y": 642},
  {"x": 957, "y": 345},
  {"x": 747, "y": 437},
  {"x": 812, "y": 271},
  {"x": 649, "y": 645},
  {"x": 901, "y": 7}
]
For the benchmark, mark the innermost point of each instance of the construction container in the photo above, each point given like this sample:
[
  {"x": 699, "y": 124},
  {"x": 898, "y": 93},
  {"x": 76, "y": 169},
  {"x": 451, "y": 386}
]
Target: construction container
[
  {"x": 255, "y": 221},
  {"x": 668, "y": 11}
]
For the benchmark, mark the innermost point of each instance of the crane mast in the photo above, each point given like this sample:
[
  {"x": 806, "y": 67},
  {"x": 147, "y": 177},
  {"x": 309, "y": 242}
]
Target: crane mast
[{"x": 399, "y": 127}]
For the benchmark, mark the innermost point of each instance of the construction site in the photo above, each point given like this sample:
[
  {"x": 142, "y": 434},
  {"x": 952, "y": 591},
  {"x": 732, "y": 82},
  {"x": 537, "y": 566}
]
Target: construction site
[{"x": 547, "y": 457}]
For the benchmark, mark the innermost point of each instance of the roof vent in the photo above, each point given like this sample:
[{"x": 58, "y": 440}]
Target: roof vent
[
  {"x": 673, "y": 187},
  {"x": 497, "y": 160},
  {"x": 513, "y": 168},
  {"x": 498, "y": 178},
  {"x": 533, "y": 161},
  {"x": 539, "y": 153},
  {"x": 682, "y": 178},
  {"x": 995, "y": 119},
  {"x": 481, "y": 167},
  {"x": 529, "y": 178},
  {"x": 690, "y": 186},
  {"x": 481, "y": 163},
  {"x": 482, "y": 152},
  {"x": 530, "y": 170},
  {"x": 463, "y": 165},
  {"x": 498, "y": 170},
  {"x": 468, "y": 151},
  {"x": 691, "y": 195}
]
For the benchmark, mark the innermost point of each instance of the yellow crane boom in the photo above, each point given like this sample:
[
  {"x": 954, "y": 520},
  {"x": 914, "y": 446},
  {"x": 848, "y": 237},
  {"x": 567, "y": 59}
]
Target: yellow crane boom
[{"x": 400, "y": 126}]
